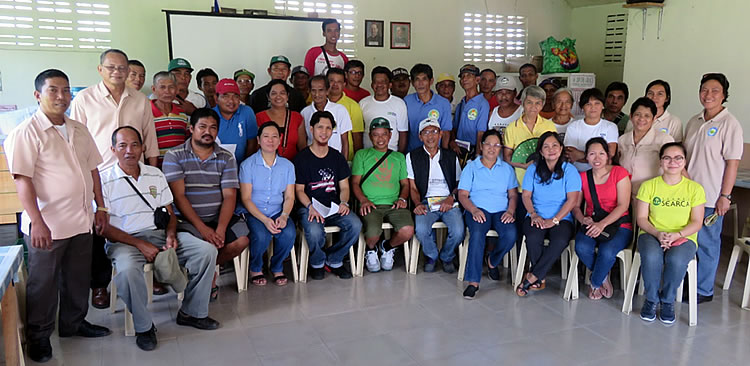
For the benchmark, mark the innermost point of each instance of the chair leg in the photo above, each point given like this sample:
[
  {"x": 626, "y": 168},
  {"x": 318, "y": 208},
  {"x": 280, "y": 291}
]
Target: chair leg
[
  {"x": 149, "y": 276},
  {"x": 304, "y": 257},
  {"x": 245, "y": 263},
  {"x": 521, "y": 264},
  {"x": 129, "y": 325},
  {"x": 361, "y": 256},
  {"x": 746, "y": 291},
  {"x": 463, "y": 254},
  {"x": 736, "y": 255},
  {"x": 352, "y": 261},
  {"x": 407, "y": 255},
  {"x": 414, "y": 263},
  {"x": 693, "y": 291},
  {"x": 564, "y": 263},
  {"x": 572, "y": 278},
  {"x": 238, "y": 272},
  {"x": 113, "y": 292},
  {"x": 627, "y": 304},
  {"x": 295, "y": 269},
  {"x": 513, "y": 259}
]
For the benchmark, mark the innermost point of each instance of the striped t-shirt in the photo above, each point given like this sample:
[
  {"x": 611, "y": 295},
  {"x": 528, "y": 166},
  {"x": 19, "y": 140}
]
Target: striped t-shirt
[
  {"x": 127, "y": 211},
  {"x": 205, "y": 179},
  {"x": 171, "y": 129}
]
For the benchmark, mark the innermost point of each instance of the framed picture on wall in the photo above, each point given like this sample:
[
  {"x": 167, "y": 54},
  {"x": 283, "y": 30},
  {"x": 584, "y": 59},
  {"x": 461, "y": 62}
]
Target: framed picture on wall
[
  {"x": 374, "y": 33},
  {"x": 401, "y": 35}
]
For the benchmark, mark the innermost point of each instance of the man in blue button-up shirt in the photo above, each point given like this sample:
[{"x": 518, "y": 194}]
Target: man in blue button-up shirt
[{"x": 426, "y": 103}]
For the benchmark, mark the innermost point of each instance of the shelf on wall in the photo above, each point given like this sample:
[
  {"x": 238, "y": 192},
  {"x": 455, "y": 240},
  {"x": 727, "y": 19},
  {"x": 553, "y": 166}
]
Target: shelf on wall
[
  {"x": 643, "y": 5},
  {"x": 644, "y": 9}
]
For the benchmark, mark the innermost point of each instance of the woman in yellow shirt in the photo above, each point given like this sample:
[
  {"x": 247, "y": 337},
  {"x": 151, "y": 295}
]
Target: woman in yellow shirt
[{"x": 670, "y": 213}]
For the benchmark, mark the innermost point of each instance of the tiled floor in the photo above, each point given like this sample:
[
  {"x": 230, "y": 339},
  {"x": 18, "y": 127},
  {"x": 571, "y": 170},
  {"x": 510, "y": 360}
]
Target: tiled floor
[{"x": 394, "y": 318}]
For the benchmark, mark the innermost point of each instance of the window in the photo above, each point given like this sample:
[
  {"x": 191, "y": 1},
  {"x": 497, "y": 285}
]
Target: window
[
  {"x": 614, "y": 40},
  {"x": 62, "y": 25},
  {"x": 493, "y": 37},
  {"x": 343, "y": 12}
]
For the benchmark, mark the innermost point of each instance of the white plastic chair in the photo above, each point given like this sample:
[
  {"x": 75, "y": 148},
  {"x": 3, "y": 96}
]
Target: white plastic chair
[
  {"x": 148, "y": 275},
  {"x": 571, "y": 286},
  {"x": 304, "y": 252},
  {"x": 463, "y": 255},
  {"x": 241, "y": 263},
  {"x": 416, "y": 245},
  {"x": 363, "y": 244},
  {"x": 564, "y": 260},
  {"x": 692, "y": 271},
  {"x": 740, "y": 245}
]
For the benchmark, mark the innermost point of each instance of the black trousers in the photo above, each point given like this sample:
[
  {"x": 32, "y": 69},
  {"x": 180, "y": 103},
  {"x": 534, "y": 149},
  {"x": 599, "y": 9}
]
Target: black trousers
[
  {"x": 543, "y": 258},
  {"x": 62, "y": 270},
  {"x": 101, "y": 266}
]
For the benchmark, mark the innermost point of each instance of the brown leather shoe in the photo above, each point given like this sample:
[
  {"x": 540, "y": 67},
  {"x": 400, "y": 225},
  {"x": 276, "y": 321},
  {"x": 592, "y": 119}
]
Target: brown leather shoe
[{"x": 100, "y": 298}]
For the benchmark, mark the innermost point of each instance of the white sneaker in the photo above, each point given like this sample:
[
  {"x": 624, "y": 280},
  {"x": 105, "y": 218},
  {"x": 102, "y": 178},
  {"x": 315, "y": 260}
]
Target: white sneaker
[
  {"x": 386, "y": 259},
  {"x": 373, "y": 263}
]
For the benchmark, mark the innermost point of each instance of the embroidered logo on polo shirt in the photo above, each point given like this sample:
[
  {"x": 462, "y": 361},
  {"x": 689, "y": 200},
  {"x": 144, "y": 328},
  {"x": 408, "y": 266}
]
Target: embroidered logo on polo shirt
[
  {"x": 664, "y": 130},
  {"x": 391, "y": 114},
  {"x": 657, "y": 201},
  {"x": 239, "y": 127},
  {"x": 712, "y": 131},
  {"x": 433, "y": 114},
  {"x": 152, "y": 191},
  {"x": 472, "y": 114}
]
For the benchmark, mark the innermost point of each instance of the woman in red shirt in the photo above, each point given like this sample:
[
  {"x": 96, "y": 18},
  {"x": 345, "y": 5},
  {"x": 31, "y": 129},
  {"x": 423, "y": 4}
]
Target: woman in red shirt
[
  {"x": 612, "y": 191},
  {"x": 293, "y": 138}
]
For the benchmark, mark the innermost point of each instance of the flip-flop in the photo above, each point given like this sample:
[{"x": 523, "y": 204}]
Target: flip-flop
[
  {"x": 258, "y": 280},
  {"x": 280, "y": 280}
]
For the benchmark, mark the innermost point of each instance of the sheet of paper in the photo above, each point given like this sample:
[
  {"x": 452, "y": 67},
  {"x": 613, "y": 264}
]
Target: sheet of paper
[
  {"x": 229, "y": 147},
  {"x": 324, "y": 210}
]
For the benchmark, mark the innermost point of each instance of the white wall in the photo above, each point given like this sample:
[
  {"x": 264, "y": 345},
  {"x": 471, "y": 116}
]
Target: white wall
[
  {"x": 139, "y": 28},
  {"x": 589, "y": 25},
  {"x": 697, "y": 37}
]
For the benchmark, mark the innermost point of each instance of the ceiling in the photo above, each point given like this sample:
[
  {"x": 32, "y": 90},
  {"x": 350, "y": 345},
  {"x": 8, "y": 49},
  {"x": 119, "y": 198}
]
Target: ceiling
[{"x": 581, "y": 3}]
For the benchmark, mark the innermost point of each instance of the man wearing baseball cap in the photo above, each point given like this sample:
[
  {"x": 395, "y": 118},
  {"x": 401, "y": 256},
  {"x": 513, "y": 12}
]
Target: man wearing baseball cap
[
  {"x": 379, "y": 183},
  {"x": 237, "y": 126},
  {"x": 472, "y": 114},
  {"x": 550, "y": 86},
  {"x": 382, "y": 104},
  {"x": 186, "y": 98},
  {"x": 400, "y": 82},
  {"x": 246, "y": 81},
  {"x": 507, "y": 111},
  {"x": 433, "y": 175},
  {"x": 278, "y": 68},
  {"x": 446, "y": 86},
  {"x": 300, "y": 78}
]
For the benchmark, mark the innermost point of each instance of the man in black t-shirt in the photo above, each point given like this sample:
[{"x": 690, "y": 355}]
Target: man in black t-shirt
[{"x": 323, "y": 190}]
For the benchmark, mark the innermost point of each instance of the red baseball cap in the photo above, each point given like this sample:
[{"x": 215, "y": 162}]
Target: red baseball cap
[{"x": 227, "y": 86}]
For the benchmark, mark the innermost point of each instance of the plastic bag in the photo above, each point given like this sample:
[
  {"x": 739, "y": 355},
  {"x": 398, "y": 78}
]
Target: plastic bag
[{"x": 559, "y": 56}]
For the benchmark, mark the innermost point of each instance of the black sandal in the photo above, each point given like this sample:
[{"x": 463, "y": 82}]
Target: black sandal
[
  {"x": 282, "y": 278},
  {"x": 524, "y": 287},
  {"x": 256, "y": 280}
]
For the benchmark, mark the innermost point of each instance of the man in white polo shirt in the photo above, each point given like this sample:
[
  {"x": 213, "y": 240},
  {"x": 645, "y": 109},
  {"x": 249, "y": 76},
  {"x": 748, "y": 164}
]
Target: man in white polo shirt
[
  {"x": 132, "y": 191},
  {"x": 319, "y": 90},
  {"x": 383, "y": 104}
]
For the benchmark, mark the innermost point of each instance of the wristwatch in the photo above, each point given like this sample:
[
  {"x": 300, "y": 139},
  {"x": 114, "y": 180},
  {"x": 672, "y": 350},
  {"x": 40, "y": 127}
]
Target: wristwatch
[
  {"x": 555, "y": 221},
  {"x": 402, "y": 199},
  {"x": 727, "y": 196},
  {"x": 345, "y": 204}
]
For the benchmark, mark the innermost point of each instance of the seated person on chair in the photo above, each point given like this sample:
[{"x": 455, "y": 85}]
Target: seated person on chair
[
  {"x": 488, "y": 191},
  {"x": 203, "y": 179},
  {"x": 380, "y": 185},
  {"x": 134, "y": 240},
  {"x": 267, "y": 189},
  {"x": 595, "y": 245},
  {"x": 550, "y": 190},
  {"x": 669, "y": 213},
  {"x": 433, "y": 174},
  {"x": 323, "y": 175}
]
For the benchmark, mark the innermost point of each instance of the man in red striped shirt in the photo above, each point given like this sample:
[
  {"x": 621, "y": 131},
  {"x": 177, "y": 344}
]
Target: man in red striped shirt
[{"x": 169, "y": 119}]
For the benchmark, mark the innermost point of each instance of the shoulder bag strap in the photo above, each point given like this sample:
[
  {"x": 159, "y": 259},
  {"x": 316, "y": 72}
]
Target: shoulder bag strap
[
  {"x": 328, "y": 62},
  {"x": 286, "y": 129},
  {"x": 592, "y": 192},
  {"x": 369, "y": 172},
  {"x": 139, "y": 193}
]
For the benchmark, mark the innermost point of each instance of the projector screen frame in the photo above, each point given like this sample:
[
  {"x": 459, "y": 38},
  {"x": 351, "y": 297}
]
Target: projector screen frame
[{"x": 168, "y": 13}]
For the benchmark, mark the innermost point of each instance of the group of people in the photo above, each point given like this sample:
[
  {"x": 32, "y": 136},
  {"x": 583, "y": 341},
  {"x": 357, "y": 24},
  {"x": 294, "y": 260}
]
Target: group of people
[{"x": 202, "y": 176}]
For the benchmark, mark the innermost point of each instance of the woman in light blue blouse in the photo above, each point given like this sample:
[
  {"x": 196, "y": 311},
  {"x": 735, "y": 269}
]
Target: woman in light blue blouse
[
  {"x": 550, "y": 190},
  {"x": 267, "y": 189}
]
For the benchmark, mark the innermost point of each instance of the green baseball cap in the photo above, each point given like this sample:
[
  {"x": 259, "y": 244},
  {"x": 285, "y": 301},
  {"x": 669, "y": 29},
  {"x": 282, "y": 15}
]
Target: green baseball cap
[
  {"x": 280, "y": 58},
  {"x": 380, "y": 122},
  {"x": 241, "y": 72},
  {"x": 179, "y": 63}
]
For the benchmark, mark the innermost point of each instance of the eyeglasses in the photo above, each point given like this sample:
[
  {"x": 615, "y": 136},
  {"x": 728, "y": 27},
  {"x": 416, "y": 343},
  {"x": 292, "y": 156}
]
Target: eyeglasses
[
  {"x": 355, "y": 72},
  {"x": 487, "y": 144},
  {"x": 430, "y": 132},
  {"x": 244, "y": 81},
  {"x": 112, "y": 69},
  {"x": 676, "y": 159}
]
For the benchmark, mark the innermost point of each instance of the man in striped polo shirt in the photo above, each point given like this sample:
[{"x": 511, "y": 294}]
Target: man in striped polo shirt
[
  {"x": 169, "y": 119},
  {"x": 203, "y": 180},
  {"x": 132, "y": 191}
]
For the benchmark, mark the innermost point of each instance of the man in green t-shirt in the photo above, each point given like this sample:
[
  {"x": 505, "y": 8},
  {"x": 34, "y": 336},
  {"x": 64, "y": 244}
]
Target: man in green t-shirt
[{"x": 382, "y": 196}]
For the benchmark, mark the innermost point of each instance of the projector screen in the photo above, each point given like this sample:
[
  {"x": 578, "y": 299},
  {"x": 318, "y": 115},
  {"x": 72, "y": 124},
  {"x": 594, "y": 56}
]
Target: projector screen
[{"x": 229, "y": 42}]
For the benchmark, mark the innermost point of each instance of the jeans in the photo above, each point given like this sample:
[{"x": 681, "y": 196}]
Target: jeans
[
  {"x": 196, "y": 255},
  {"x": 709, "y": 251},
  {"x": 667, "y": 268},
  {"x": 260, "y": 238},
  {"x": 423, "y": 230},
  {"x": 477, "y": 236},
  {"x": 600, "y": 262},
  {"x": 316, "y": 238},
  {"x": 543, "y": 258}
]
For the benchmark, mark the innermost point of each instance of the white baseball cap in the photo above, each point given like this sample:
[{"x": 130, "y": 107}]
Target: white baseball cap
[
  {"x": 506, "y": 82},
  {"x": 427, "y": 122}
]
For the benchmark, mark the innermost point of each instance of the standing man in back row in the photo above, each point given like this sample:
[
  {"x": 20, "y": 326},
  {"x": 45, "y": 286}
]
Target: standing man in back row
[
  {"x": 318, "y": 61},
  {"x": 278, "y": 68},
  {"x": 426, "y": 103}
]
